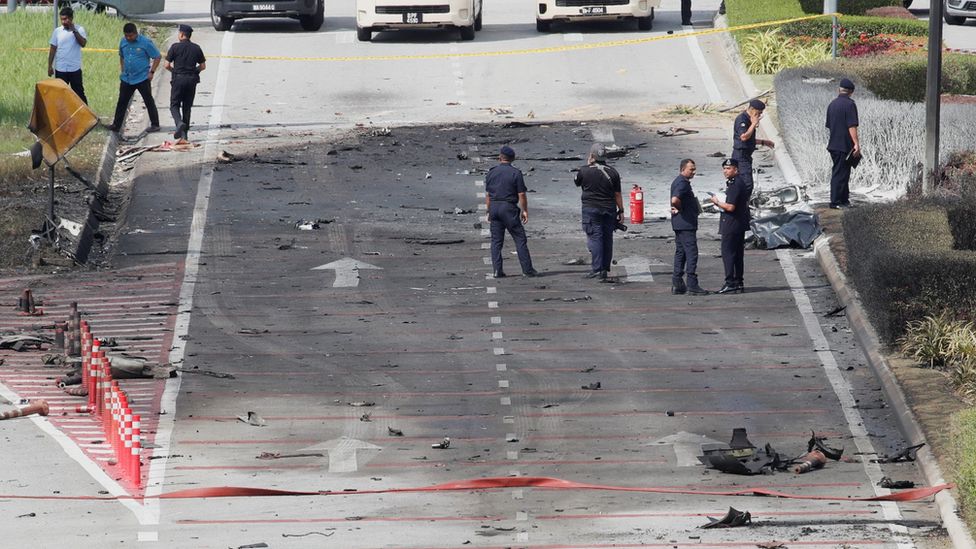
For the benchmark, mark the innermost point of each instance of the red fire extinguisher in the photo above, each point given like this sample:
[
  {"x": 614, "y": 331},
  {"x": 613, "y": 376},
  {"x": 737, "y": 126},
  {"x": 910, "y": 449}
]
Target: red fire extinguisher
[{"x": 636, "y": 205}]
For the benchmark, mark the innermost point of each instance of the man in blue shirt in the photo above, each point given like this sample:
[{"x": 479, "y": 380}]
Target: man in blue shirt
[
  {"x": 138, "y": 59},
  {"x": 844, "y": 145},
  {"x": 732, "y": 225},
  {"x": 508, "y": 209},
  {"x": 684, "y": 220}
]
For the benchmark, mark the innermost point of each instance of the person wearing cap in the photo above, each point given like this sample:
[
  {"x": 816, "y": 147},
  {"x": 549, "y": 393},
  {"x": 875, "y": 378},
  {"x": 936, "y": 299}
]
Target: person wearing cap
[
  {"x": 186, "y": 61},
  {"x": 685, "y": 209},
  {"x": 508, "y": 209},
  {"x": 138, "y": 60},
  {"x": 744, "y": 139},
  {"x": 64, "y": 55},
  {"x": 602, "y": 208},
  {"x": 843, "y": 144},
  {"x": 732, "y": 225}
]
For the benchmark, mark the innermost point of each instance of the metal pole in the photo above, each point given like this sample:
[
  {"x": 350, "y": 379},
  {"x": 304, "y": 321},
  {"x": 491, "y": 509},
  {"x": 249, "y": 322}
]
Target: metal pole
[
  {"x": 830, "y": 6},
  {"x": 50, "y": 198},
  {"x": 933, "y": 87},
  {"x": 57, "y": 18},
  {"x": 11, "y": 6}
]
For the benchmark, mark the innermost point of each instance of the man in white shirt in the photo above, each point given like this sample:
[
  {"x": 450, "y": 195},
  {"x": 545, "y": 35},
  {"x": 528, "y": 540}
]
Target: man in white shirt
[{"x": 64, "y": 59}]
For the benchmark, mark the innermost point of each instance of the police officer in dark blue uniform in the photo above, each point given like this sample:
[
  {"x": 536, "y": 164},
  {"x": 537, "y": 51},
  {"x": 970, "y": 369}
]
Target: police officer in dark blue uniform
[
  {"x": 684, "y": 220},
  {"x": 186, "y": 61},
  {"x": 732, "y": 225},
  {"x": 603, "y": 208},
  {"x": 744, "y": 139},
  {"x": 508, "y": 209},
  {"x": 844, "y": 145}
]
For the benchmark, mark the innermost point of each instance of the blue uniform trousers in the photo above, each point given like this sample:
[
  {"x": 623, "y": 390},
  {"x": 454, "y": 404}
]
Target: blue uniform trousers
[
  {"x": 840, "y": 179},
  {"x": 505, "y": 216},
  {"x": 733, "y": 255},
  {"x": 685, "y": 258},
  {"x": 745, "y": 168},
  {"x": 598, "y": 225}
]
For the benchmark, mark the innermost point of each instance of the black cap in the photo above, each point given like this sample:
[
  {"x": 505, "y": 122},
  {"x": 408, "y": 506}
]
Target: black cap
[
  {"x": 508, "y": 152},
  {"x": 757, "y": 104},
  {"x": 730, "y": 162},
  {"x": 186, "y": 29},
  {"x": 847, "y": 84}
]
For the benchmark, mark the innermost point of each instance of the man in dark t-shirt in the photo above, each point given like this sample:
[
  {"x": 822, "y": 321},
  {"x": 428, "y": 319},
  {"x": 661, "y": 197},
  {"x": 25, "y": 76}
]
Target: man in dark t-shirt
[
  {"x": 684, "y": 221},
  {"x": 744, "y": 140},
  {"x": 508, "y": 209},
  {"x": 732, "y": 225},
  {"x": 186, "y": 61},
  {"x": 603, "y": 208},
  {"x": 844, "y": 144}
]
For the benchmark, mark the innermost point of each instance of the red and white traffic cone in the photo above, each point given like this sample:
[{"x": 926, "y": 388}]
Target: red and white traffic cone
[
  {"x": 126, "y": 451},
  {"x": 136, "y": 463},
  {"x": 38, "y": 407}
]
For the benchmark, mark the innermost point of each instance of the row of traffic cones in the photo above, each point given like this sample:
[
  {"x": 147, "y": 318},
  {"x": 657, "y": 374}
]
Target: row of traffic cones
[{"x": 107, "y": 401}]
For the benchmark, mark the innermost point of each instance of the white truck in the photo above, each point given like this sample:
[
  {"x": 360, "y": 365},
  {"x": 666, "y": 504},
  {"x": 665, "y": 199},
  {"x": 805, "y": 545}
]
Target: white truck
[
  {"x": 380, "y": 15},
  {"x": 553, "y": 11}
]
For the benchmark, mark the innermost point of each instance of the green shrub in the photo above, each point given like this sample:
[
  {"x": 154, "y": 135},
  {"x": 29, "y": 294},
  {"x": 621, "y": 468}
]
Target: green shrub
[
  {"x": 902, "y": 260},
  {"x": 962, "y": 222},
  {"x": 901, "y": 77},
  {"x": 744, "y": 12},
  {"x": 851, "y": 7},
  {"x": 962, "y": 459},
  {"x": 767, "y": 52},
  {"x": 856, "y": 25},
  {"x": 926, "y": 341}
]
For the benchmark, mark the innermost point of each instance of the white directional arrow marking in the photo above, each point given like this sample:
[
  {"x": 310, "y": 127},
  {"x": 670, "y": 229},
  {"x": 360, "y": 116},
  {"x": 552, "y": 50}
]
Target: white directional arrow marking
[
  {"x": 346, "y": 271},
  {"x": 687, "y": 446},
  {"x": 344, "y": 453},
  {"x": 638, "y": 269}
]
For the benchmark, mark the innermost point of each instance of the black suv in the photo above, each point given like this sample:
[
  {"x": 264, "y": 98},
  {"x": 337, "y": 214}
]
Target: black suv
[{"x": 310, "y": 13}]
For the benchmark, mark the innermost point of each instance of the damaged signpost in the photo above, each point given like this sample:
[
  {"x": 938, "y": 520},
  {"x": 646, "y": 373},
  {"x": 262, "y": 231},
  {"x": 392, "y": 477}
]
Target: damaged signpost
[{"x": 60, "y": 120}]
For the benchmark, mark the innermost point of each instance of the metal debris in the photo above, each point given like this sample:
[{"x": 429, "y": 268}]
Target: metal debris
[
  {"x": 361, "y": 403},
  {"x": 394, "y": 432},
  {"x": 253, "y": 419},
  {"x": 816, "y": 442},
  {"x": 442, "y": 445},
  {"x": 908, "y": 454},
  {"x": 732, "y": 519},
  {"x": 595, "y": 386},
  {"x": 314, "y": 533},
  {"x": 886, "y": 482},
  {"x": 674, "y": 131}
]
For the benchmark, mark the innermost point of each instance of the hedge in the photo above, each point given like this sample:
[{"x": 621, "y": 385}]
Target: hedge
[
  {"x": 856, "y": 25},
  {"x": 901, "y": 77},
  {"x": 903, "y": 262},
  {"x": 852, "y": 7}
]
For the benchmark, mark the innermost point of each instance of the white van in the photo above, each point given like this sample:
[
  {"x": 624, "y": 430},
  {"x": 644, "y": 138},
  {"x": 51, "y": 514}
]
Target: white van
[
  {"x": 549, "y": 11},
  {"x": 379, "y": 15}
]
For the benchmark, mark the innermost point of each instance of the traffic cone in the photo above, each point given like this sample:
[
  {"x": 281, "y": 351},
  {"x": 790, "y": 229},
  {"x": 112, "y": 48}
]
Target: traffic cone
[
  {"x": 812, "y": 460},
  {"x": 25, "y": 304},
  {"x": 37, "y": 407},
  {"x": 136, "y": 463}
]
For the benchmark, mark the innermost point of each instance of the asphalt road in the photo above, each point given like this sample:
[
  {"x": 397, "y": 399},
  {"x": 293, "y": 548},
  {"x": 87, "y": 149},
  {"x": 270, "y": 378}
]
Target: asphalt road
[
  {"x": 961, "y": 37},
  {"x": 390, "y": 156}
]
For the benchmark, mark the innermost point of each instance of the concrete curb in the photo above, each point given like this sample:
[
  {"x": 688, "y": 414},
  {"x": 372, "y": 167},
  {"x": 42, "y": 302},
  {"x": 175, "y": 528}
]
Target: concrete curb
[
  {"x": 102, "y": 177},
  {"x": 867, "y": 338}
]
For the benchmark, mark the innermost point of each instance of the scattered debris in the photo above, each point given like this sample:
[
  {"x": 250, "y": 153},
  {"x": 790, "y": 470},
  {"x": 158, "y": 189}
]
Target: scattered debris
[
  {"x": 779, "y": 198},
  {"x": 276, "y": 455},
  {"x": 908, "y": 454},
  {"x": 817, "y": 443},
  {"x": 674, "y": 131},
  {"x": 27, "y": 515},
  {"x": 20, "y": 343},
  {"x": 886, "y": 482},
  {"x": 836, "y": 311},
  {"x": 253, "y": 419},
  {"x": 595, "y": 386},
  {"x": 394, "y": 432},
  {"x": 459, "y": 211},
  {"x": 434, "y": 241},
  {"x": 717, "y": 154},
  {"x": 286, "y": 535},
  {"x": 226, "y": 158},
  {"x": 496, "y": 110},
  {"x": 253, "y": 546},
  {"x": 563, "y": 299},
  {"x": 442, "y": 445},
  {"x": 811, "y": 461},
  {"x": 361, "y": 403},
  {"x": 210, "y": 373},
  {"x": 303, "y": 225},
  {"x": 771, "y": 545},
  {"x": 365, "y": 417},
  {"x": 732, "y": 519},
  {"x": 51, "y": 359},
  {"x": 462, "y": 155}
]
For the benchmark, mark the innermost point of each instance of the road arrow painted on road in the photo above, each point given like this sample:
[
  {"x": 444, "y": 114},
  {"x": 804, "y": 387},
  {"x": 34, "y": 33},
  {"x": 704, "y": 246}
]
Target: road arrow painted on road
[
  {"x": 346, "y": 271},
  {"x": 687, "y": 446},
  {"x": 344, "y": 453},
  {"x": 638, "y": 269}
]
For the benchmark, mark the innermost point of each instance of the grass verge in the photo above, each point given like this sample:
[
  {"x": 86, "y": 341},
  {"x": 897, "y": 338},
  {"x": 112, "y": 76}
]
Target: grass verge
[{"x": 24, "y": 191}]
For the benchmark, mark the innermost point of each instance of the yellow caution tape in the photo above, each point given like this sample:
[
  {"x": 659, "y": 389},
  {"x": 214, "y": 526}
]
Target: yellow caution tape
[{"x": 526, "y": 51}]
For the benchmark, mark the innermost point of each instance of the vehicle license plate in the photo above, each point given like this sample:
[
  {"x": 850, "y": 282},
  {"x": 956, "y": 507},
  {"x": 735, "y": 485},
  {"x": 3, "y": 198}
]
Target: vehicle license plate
[
  {"x": 263, "y": 7},
  {"x": 413, "y": 17},
  {"x": 594, "y": 10}
]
